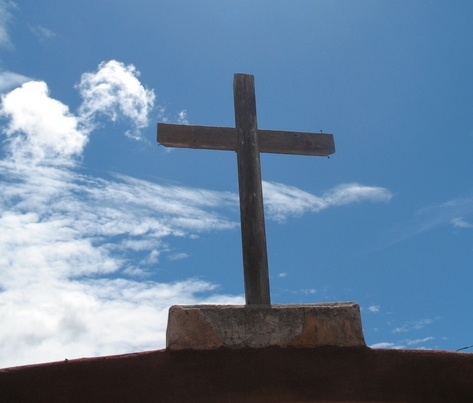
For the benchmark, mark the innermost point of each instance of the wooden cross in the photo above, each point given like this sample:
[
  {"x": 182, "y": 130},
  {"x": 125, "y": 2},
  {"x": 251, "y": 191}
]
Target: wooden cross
[{"x": 248, "y": 142}]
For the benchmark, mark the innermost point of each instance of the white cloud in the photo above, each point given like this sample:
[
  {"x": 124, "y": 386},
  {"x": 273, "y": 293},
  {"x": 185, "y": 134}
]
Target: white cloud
[
  {"x": 40, "y": 128},
  {"x": 115, "y": 91},
  {"x": 70, "y": 319},
  {"x": 66, "y": 286},
  {"x": 403, "y": 344},
  {"x": 387, "y": 345},
  {"x": 282, "y": 201},
  {"x": 373, "y": 308}
]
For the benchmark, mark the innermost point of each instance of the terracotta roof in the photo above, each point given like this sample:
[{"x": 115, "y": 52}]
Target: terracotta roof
[{"x": 273, "y": 374}]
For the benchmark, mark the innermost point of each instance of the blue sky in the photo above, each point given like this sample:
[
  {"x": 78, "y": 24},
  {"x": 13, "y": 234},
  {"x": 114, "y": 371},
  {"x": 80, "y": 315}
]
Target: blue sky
[{"x": 102, "y": 229}]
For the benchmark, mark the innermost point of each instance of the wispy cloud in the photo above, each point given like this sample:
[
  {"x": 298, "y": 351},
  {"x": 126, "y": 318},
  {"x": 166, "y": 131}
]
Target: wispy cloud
[
  {"x": 282, "y": 201},
  {"x": 407, "y": 343},
  {"x": 115, "y": 91},
  {"x": 182, "y": 118},
  {"x": 419, "y": 341},
  {"x": 460, "y": 223},
  {"x": 9, "y": 80},
  {"x": 456, "y": 213},
  {"x": 178, "y": 256},
  {"x": 309, "y": 291},
  {"x": 413, "y": 325},
  {"x": 5, "y": 19},
  {"x": 373, "y": 308},
  {"x": 73, "y": 251},
  {"x": 42, "y": 33}
]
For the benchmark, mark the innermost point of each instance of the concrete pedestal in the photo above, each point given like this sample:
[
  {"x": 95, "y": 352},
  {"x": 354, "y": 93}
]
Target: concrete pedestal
[{"x": 203, "y": 327}]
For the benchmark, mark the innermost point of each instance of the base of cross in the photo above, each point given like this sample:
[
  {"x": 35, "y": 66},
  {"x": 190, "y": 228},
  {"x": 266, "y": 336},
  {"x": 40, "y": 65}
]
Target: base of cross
[{"x": 205, "y": 327}]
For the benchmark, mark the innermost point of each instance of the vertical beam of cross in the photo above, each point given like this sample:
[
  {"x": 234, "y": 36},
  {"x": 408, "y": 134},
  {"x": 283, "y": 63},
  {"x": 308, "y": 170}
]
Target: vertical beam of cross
[
  {"x": 253, "y": 234},
  {"x": 248, "y": 142}
]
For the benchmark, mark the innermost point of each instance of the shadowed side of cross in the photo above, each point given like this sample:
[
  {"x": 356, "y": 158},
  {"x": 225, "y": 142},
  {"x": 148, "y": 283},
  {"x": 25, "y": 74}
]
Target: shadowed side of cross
[{"x": 248, "y": 142}]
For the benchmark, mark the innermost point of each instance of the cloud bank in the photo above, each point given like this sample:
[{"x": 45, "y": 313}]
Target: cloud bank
[{"x": 77, "y": 254}]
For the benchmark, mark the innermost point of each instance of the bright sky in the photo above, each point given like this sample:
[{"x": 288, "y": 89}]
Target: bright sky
[{"x": 102, "y": 229}]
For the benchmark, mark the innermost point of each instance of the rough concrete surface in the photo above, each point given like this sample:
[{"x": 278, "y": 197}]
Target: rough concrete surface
[{"x": 201, "y": 327}]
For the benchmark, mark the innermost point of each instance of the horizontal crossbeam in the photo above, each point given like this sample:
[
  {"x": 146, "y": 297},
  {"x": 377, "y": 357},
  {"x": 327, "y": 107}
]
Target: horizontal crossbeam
[{"x": 226, "y": 138}]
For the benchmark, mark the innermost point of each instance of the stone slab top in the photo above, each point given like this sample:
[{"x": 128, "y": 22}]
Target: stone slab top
[
  {"x": 202, "y": 327},
  {"x": 272, "y": 306}
]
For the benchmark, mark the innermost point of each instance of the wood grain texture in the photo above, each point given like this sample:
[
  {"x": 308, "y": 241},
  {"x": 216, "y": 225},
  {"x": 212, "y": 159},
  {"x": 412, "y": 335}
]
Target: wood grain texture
[
  {"x": 253, "y": 233},
  {"x": 226, "y": 138}
]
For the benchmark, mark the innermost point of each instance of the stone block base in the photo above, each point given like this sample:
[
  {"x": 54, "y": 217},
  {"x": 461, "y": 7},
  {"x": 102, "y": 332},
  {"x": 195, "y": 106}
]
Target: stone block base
[{"x": 202, "y": 327}]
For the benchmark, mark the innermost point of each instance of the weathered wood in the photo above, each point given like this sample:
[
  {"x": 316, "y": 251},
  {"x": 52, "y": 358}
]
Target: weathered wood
[
  {"x": 280, "y": 142},
  {"x": 206, "y": 137},
  {"x": 226, "y": 138},
  {"x": 255, "y": 260}
]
